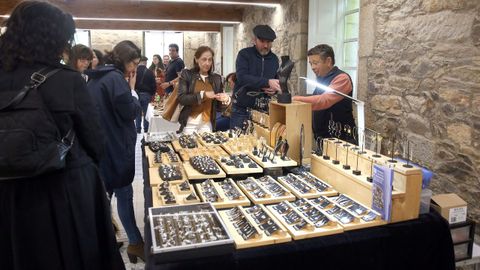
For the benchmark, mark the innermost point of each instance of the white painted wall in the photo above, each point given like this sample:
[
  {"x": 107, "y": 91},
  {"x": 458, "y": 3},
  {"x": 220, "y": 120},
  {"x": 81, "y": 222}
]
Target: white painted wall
[{"x": 228, "y": 56}]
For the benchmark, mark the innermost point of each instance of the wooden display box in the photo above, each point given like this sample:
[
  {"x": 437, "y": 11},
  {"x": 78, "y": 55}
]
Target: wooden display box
[
  {"x": 155, "y": 178},
  {"x": 193, "y": 174},
  {"x": 313, "y": 192},
  {"x": 270, "y": 198},
  {"x": 293, "y": 115},
  {"x": 223, "y": 201},
  {"x": 204, "y": 143},
  {"x": 407, "y": 182},
  {"x": 232, "y": 170},
  {"x": 262, "y": 132},
  {"x": 279, "y": 163},
  {"x": 213, "y": 151},
  {"x": 180, "y": 196},
  {"x": 176, "y": 145},
  {"x": 310, "y": 230},
  {"x": 358, "y": 222},
  {"x": 261, "y": 239},
  {"x": 243, "y": 144}
]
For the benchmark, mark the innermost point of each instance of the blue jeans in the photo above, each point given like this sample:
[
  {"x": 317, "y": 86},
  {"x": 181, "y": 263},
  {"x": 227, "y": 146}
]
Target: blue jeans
[
  {"x": 144, "y": 99},
  {"x": 238, "y": 116},
  {"x": 222, "y": 123},
  {"x": 127, "y": 215}
]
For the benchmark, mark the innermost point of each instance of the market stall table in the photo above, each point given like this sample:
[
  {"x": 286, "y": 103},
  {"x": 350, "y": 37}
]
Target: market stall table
[{"x": 422, "y": 243}]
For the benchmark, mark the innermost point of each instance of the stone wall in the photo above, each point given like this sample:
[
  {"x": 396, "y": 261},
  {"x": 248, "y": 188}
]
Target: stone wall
[
  {"x": 419, "y": 71},
  {"x": 290, "y": 22},
  {"x": 105, "y": 40},
  {"x": 193, "y": 40}
]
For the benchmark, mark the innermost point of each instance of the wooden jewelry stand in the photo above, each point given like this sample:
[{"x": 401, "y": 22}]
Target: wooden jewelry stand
[{"x": 407, "y": 182}]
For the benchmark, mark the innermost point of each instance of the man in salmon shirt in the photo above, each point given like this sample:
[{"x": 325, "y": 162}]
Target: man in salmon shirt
[{"x": 328, "y": 106}]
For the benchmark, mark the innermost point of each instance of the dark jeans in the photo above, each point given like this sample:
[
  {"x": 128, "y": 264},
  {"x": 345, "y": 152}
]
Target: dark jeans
[
  {"x": 126, "y": 213},
  {"x": 222, "y": 123},
  {"x": 144, "y": 99},
  {"x": 238, "y": 116}
]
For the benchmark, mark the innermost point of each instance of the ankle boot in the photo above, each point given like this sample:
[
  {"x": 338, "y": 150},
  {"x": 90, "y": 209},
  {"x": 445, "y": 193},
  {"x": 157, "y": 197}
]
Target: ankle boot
[{"x": 134, "y": 251}]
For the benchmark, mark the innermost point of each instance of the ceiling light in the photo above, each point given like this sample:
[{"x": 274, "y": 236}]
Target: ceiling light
[
  {"x": 152, "y": 20},
  {"x": 270, "y": 5}
]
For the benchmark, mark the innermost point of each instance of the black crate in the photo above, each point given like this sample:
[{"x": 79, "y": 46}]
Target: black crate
[{"x": 463, "y": 235}]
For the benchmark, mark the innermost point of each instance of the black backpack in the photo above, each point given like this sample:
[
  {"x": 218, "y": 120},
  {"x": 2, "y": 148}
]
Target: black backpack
[{"x": 30, "y": 142}]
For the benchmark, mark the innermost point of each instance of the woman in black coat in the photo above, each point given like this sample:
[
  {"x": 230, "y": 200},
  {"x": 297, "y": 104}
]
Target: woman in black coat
[
  {"x": 59, "y": 220},
  {"x": 118, "y": 110}
]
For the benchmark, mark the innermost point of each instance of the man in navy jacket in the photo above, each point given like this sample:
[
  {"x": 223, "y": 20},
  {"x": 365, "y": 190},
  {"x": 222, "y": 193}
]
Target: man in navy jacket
[{"x": 256, "y": 69}]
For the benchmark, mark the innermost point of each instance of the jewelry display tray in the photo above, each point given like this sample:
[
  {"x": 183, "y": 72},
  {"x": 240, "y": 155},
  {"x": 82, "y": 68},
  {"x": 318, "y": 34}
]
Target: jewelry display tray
[
  {"x": 160, "y": 136},
  {"x": 186, "y": 252}
]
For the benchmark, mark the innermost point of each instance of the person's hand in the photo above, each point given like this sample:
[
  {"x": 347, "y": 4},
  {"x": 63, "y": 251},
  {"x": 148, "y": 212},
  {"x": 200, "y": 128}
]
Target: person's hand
[
  {"x": 209, "y": 94},
  {"x": 274, "y": 84},
  {"x": 223, "y": 97},
  {"x": 165, "y": 85},
  {"x": 295, "y": 98},
  {"x": 269, "y": 91},
  {"x": 132, "y": 78}
]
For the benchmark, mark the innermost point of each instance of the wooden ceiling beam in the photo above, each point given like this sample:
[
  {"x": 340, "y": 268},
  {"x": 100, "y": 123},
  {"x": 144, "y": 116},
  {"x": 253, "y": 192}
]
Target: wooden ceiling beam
[
  {"x": 142, "y": 10},
  {"x": 157, "y": 26}
]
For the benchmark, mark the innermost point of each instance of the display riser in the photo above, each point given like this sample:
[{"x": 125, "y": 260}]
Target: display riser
[{"x": 407, "y": 183}]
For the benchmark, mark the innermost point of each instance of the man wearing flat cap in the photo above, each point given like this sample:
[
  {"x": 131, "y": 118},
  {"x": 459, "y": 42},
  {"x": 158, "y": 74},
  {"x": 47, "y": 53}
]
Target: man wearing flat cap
[{"x": 256, "y": 69}]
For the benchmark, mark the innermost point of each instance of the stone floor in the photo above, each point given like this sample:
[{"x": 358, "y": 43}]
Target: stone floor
[{"x": 138, "y": 202}]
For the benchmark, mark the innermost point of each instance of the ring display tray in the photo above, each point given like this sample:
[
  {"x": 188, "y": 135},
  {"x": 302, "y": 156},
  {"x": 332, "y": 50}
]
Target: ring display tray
[
  {"x": 213, "y": 138},
  {"x": 165, "y": 157},
  {"x": 242, "y": 144},
  {"x": 304, "y": 220},
  {"x": 188, "y": 232},
  {"x": 278, "y": 162},
  {"x": 306, "y": 185},
  {"x": 215, "y": 152},
  {"x": 265, "y": 190},
  {"x": 254, "y": 226},
  {"x": 235, "y": 164},
  {"x": 167, "y": 193},
  {"x": 193, "y": 174},
  {"x": 350, "y": 214},
  {"x": 160, "y": 136},
  {"x": 223, "y": 194},
  {"x": 190, "y": 142},
  {"x": 155, "y": 176}
]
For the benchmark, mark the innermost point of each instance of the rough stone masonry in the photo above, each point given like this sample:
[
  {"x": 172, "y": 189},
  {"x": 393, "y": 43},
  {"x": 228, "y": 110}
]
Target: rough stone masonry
[{"x": 419, "y": 72}]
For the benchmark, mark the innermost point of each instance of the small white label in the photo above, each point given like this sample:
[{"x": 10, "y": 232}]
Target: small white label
[{"x": 457, "y": 214}]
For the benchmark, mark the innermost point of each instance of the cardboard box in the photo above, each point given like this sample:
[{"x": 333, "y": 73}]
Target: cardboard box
[{"x": 451, "y": 207}]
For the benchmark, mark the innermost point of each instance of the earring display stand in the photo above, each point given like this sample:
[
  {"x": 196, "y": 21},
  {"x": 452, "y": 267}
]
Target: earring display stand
[{"x": 407, "y": 182}]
